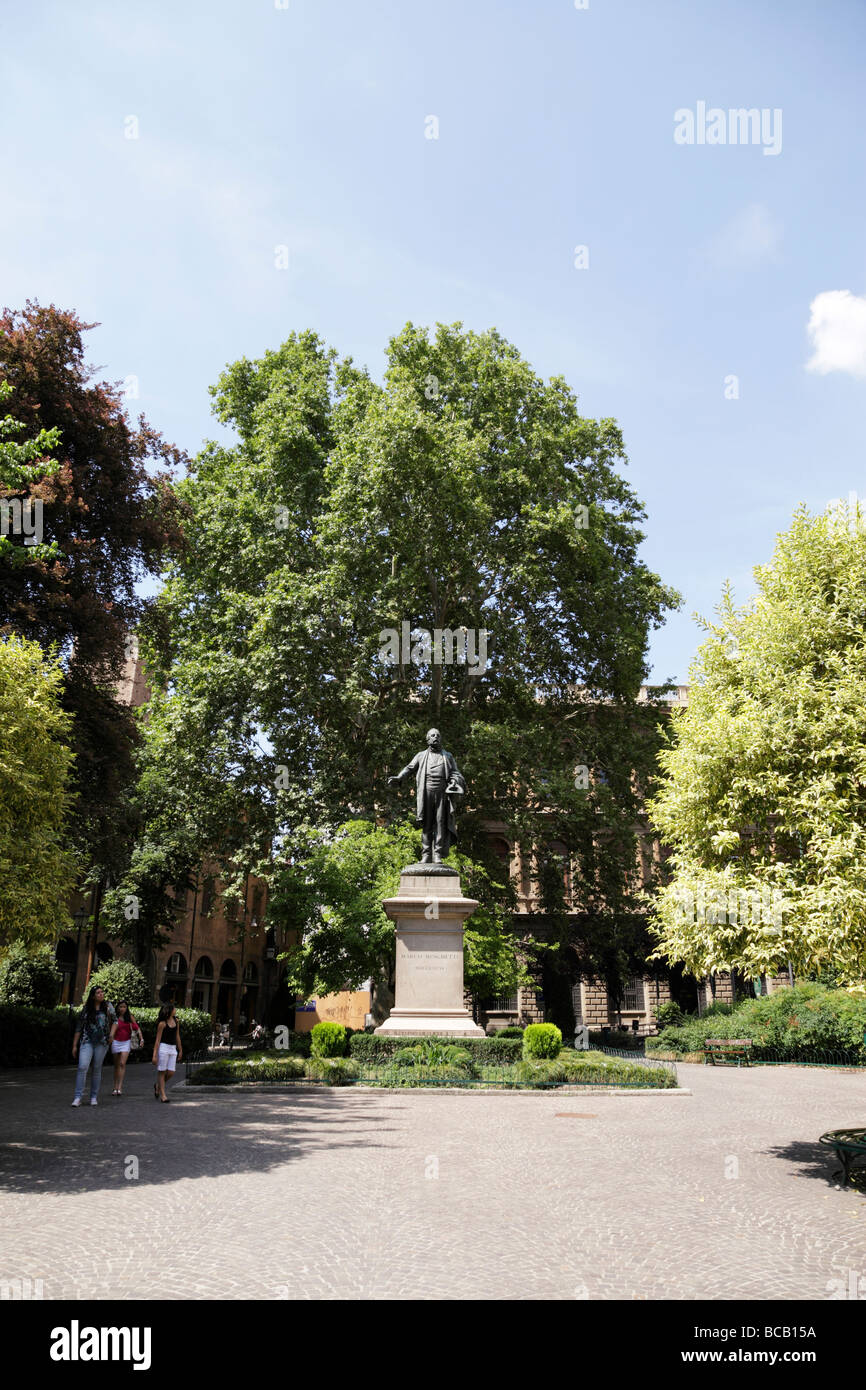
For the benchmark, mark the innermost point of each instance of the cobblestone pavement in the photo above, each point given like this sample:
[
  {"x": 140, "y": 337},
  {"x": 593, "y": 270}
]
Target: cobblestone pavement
[{"x": 342, "y": 1194}]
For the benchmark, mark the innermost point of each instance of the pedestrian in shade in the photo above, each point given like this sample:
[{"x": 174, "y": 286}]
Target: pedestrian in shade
[
  {"x": 121, "y": 1043},
  {"x": 93, "y": 1031},
  {"x": 167, "y": 1049}
]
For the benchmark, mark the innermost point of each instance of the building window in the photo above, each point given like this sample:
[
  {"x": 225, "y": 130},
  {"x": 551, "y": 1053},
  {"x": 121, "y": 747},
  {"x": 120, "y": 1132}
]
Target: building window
[
  {"x": 500, "y": 1004},
  {"x": 202, "y": 985},
  {"x": 633, "y": 996}
]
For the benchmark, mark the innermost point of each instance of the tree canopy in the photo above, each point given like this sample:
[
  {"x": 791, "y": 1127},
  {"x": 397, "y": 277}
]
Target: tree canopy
[
  {"x": 109, "y": 515},
  {"x": 37, "y": 872},
  {"x": 462, "y": 493},
  {"x": 763, "y": 789}
]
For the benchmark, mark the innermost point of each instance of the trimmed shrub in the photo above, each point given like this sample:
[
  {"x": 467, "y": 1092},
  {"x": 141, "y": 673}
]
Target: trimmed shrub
[
  {"x": 30, "y": 977},
  {"x": 333, "y": 1071},
  {"x": 195, "y": 1030},
  {"x": 121, "y": 980},
  {"x": 328, "y": 1040},
  {"x": 34, "y": 1037},
  {"x": 670, "y": 1015},
  {"x": 366, "y": 1047},
  {"x": 541, "y": 1040},
  {"x": 512, "y": 1030}
]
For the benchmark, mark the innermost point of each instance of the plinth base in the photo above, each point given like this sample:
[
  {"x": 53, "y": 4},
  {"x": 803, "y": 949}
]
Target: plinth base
[{"x": 417, "y": 1023}]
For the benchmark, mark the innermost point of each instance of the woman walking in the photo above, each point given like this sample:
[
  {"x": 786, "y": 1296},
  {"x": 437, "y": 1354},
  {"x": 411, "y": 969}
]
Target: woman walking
[
  {"x": 167, "y": 1049},
  {"x": 121, "y": 1043},
  {"x": 94, "y": 1029}
]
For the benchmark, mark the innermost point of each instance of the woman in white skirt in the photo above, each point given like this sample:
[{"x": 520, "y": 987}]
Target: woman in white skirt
[
  {"x": 121, "y": 1043},
  {"x": 167, "y": 1049}
]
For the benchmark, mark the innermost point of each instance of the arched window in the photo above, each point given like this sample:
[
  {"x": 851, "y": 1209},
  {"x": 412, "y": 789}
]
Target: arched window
[
  {"x": 226, "y": 989},
  {"x": 202, "y": 985},
  {"x": 104, "y": 952},
  {"x": 251, "y": 975},
  {"x": 174, "y": 990}
]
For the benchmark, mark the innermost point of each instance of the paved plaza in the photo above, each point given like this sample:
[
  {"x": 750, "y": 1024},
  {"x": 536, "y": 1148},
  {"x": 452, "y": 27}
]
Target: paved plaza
[{"x": 723, "y": 1193}]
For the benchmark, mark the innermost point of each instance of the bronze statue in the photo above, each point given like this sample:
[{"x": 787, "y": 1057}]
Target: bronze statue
[{"x": 437, "y": 782}]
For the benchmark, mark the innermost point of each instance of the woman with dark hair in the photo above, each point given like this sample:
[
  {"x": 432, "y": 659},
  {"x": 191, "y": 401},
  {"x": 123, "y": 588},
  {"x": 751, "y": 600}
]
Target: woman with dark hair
[
  {"x": 167, "y": 1049},
  {"x": 121, "y": 1043},
  {"x": 94, "y": 1030}
]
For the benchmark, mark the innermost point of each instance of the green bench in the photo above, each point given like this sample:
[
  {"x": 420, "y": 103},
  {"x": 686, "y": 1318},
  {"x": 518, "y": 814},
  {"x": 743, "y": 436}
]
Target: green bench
[
  {"x": 846, "y": 1144},
  {"x": 728, "y": 1052}
]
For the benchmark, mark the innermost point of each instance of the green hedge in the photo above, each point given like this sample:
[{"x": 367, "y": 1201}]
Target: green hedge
[
  {"x": 34, "y": 1037},
  {"x": 228, "y": 1072},
  {"x": 808, "y": 1018},
  {"x": 367, "y": 1047},
  {"x": 195, "y": 1030},
  {"x": 621, "y": 1041}
]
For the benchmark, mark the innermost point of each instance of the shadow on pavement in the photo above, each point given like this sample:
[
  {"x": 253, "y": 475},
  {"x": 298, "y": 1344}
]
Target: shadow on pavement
[{"x": 47, "y": 1146}]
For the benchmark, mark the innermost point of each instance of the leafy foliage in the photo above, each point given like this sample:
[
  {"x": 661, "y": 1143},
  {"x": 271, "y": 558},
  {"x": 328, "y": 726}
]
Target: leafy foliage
[
  {"x": 328, "y": 1040},
  {"x": 452, "y": 495},
  {"x": 763, "y": 788},
  {"x": 109, "y": 518},
  {"x": 367, "y": 1047},
  {"x": 121, "y": 980},
  {"x": 29, "y": 977},
  {"x": 37, "y": 872},
  {"x": 541, "y": 1040},
  {"x": 789, "y": 1021}
]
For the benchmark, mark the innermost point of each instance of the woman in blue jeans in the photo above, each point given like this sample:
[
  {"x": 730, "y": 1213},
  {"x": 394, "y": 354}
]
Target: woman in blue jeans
[{"x": 94, "y": 1030}]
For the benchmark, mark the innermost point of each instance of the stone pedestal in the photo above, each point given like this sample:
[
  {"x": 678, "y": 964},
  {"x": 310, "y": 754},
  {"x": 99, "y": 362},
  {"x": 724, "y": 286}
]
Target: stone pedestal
[{"x": 428, "y": 913}]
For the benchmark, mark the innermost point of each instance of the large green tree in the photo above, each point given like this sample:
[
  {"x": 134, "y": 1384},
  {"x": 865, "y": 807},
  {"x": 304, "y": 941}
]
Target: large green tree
[
  {"x": 36, "y": 870},
  {"x": 109, "y": 516},
  {"x": 462, "y": 492},
  {"x": 763, "y": 792}
]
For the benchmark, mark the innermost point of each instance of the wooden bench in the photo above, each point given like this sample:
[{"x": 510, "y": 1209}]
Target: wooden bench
[
  {"x": 846, "y": 1144},
  {"x": 728, "y": 1052}
]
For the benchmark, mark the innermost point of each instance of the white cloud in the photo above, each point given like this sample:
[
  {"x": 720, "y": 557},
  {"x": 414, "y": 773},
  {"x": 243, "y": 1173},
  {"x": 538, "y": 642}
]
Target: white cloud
[
  {"x": 837, "y": 331},
  {"x": 749, "y": 238}
]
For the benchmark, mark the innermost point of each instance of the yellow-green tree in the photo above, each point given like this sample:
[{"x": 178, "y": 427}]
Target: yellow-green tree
[
  {"x": 763, "y": 790},
  {"x": 36, "y": 870}
]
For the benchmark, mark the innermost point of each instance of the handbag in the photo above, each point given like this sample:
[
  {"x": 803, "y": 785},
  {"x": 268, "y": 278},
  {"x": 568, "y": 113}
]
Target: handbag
[{"x": 135, "y": 1040}]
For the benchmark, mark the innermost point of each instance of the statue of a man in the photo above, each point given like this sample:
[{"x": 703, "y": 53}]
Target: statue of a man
[{"x": 437, "y": 782}]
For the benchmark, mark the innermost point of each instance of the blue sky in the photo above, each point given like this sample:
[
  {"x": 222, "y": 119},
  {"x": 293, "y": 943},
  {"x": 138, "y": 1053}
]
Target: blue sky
[{"x": 304, "y": 127}]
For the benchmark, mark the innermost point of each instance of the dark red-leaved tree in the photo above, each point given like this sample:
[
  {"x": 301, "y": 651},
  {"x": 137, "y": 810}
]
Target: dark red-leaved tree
[{"x": 111, "y": 510}]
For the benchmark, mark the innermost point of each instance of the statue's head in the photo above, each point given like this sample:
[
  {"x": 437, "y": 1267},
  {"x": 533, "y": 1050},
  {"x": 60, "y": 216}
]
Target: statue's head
[{"x": 434, "y": 739}]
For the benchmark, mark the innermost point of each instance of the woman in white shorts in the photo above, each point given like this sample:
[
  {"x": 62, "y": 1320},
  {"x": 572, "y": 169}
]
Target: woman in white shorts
[
  {"x": 167, "y": 1049},
  {"x": 121, "y": 1043}
]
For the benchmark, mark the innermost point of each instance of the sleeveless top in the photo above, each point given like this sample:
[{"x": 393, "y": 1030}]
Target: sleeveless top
[{"x": 169, "y": 1036}]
